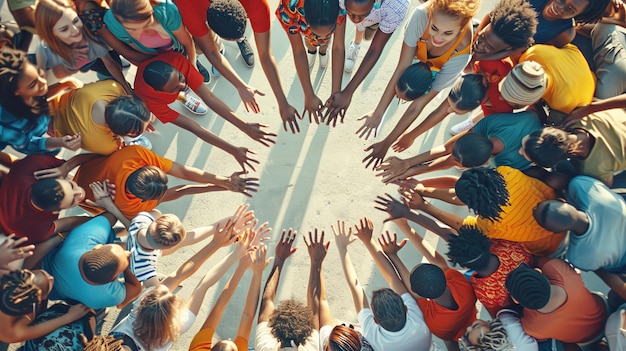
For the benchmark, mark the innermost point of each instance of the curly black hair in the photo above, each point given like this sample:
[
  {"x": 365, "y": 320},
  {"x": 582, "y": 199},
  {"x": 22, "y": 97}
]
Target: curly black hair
[
  {"x": 515, "y": 22},
  {"x": 593, "y": 12},
  {"x": 19, "y": 296},
  {"x": 227, "y": 18},
  {"x": 484, "y": 192},
  {"x": 470, "y": 248},
  {"x": 291, "y": 320},
  {"x": 321, "y": 12}
]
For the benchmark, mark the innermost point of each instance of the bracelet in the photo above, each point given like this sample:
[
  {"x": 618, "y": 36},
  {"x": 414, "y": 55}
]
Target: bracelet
[{"x": 61, "y": 236}]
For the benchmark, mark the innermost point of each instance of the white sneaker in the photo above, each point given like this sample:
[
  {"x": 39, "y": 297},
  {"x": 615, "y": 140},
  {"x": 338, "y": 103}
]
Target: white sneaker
[
  {"x": 194, "y": 105},
  {"x": 351, "y": 56},
  {"x": 461, "y": 127},
  {"x": 139, "y": 140},
  {"x": 324, "y": 60},
  {"x": 311, "y": 57}
]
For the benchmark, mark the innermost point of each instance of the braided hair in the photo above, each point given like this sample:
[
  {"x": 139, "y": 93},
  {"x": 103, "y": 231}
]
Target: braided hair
[
  {"x": 103, "y": 343},
  {"x": 496, "y": 339},
  {"x": 484, "y": 192},
  {"x": 470, "y": 248},
  {"x": 18, "y": 294}
]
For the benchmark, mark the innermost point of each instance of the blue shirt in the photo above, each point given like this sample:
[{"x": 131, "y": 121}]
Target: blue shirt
[
  {"x": 548, "y": 30},
  {"x": 23, "y": 134}
]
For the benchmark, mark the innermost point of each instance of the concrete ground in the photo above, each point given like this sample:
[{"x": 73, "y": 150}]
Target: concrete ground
[{"x": 308, "y": 180}]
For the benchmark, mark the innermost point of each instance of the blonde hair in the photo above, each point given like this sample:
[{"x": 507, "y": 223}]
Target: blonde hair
[
  {"x": 169, "y": 231},
  {"x": 157, "y": 319},
  {"x": 47, "y": 14},
  {"x": 463, "y": 9},
  {"x": 132, "y": 10}
]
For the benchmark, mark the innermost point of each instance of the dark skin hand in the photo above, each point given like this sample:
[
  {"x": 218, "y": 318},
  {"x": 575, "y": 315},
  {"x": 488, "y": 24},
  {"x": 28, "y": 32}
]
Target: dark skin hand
[
  {"x": 376, "y": 156},
  {"x": 393, "y": 207},
  {"x": 332, "y": 111},
  {"x": 257, "y": 133},
  {"x": 245, "y": 186}
]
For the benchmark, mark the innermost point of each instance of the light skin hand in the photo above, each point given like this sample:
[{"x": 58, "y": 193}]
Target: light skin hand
[
  {"x": 390, "y": 244},
  {"x": 224, "y": 235},
  {"x": 376, "y": 156},
  {"x": 10, "y": 250},
  {"x": 316, "y": 247},
  {"x": 101, "y": 195},
  {"x": 364, "y": 230},
  {"x": 392, "y": 169},
  {"x": 284, "y": 247},
  {"x": 405, "y": 142},
  {"x": 412, "y": 198},
  {"x": 260, "y": 260},
  {"x": 313, "y": 106},
  {"x": 247, "y": 94},
  {"x": 343, "y": 238},
  {"x": 77, "y": 311},
  {"x": 393, "y": 207},
  {"x": 370, "y": 124}
]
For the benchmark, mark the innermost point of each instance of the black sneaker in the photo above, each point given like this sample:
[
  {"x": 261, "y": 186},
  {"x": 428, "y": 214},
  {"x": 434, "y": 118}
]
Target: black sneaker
[
  {"x": 246, "y": 52},
  {"x": 205, "y": 73}
]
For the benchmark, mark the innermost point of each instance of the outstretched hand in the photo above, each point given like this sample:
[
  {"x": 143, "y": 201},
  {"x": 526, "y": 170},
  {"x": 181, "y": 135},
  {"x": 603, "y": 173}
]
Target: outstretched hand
[
  {"x": 365, "y": 230},
  {"x": 412, "y": 198},
  {"x": 245, "y": 186},
  {"x": 290, "y": 116},
  {"x": 336, "y": 106},
  {"x": 343, "y": 238},
  {"x": 376, "y": 156},
  {"x": 313, "y": 106},
  {"x": 247, "y": 94},
  {"x": 101, "y": 195},
  {"x": 256, "y": 132},
  {"x": 316, "y": 247},
  {"x": 393, "y": 207},
  {"x": 390, "y": 245},
  {"x": 11, "y": 250},
  {"x": 284, "y": 247},
  {"x": 405, "y": 142},
  {"x": 370, "y": 125},
  {"x": 393, "y": 168}
]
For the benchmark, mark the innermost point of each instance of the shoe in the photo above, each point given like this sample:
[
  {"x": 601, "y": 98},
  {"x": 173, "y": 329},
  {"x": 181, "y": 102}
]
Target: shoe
[
  {"x": 139, "y": 140},
  {"x": 246, "y": 52},
  {"x": 324, "y": 60},
  {"x": 311, "y": 57},
  {"x": 461, "y": 127},
  {"x": 205, "y": 74},
  {"x": 213, "y": 70},
  {"x": 351, "y": 56},
  {"x": 194, "y": 105}
]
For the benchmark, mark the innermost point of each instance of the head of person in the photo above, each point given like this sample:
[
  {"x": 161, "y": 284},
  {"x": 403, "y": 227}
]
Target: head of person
[
  {"x": 470, "y": 249},
  {"x": 513, "y": 25},
  {"x": 486, "y": 336},
  {"x": 467, "y": 93},
  {"x": 59, "y": 26},
  {"x": 21, "y": 292},
  {"x": 291, "y": 321},
  {"x": 127, "y": 115},
  {"x": 555, "y": 215},
  {"x": 103, "y": 343},
  {"x": 448, "y": 18},
  {"x": 414, "y": 82},
  {"x": 321, "y": 16},
  {"x": 583, "y": 11},
  {"x": 344, "y": 338},
  {"x": 528, "y": 287},
  {"x": 52, "y": 195},
  {"x": 134, "y": 15},
  {"x": 19, "y": 77},
  {"x": 357, "y": 10},
  {"x": 103, "y": 264},
  {"x": 227, "y": 18},
  {"x": 389, "y": 310},
  {"x": 225, "y": 345},
  {"x": 545, "y": 147},
  {"x": 147, "y": 183},
  {"x": 158, "y": 319},
  {"x": 162, "y": 76},
  {"x": 484, "y": 191},
  {"x": 428, "y": 280},
  {"x": 472, "y": 150},
  {"x": 524, "y": 85},
  {"x": 165, "y": 232}
]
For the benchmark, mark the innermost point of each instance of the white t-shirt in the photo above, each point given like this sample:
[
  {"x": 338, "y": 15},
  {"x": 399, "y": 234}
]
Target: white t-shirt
[
  {"x": 125, "y": 326},
  {"x": 415, "y": 335},
  {"x": 513, "y": 326},
  {"x": 389, "y": 16},
  {"x": 615, "y": 335},
  {"x": 413, "y": 32},
  {"x": 265, "y": 341}
]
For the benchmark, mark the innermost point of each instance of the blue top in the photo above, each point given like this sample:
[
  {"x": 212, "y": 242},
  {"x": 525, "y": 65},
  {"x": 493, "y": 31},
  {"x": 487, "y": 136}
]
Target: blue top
[
  {"x": 548, "y": 30},
  {"x": 511, "y": 128},
  {"x": 22, "y": 134}
]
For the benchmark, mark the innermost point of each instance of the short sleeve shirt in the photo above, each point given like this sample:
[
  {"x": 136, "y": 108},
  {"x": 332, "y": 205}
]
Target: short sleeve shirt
[
  {"x": 194, "y": 14},
  {"x": 515, "y": 333},
  {"x": 142, "y": 262},
  {"x": 158, "y": 101},
  {"x": 203, "y": 341},
  {"x": 291, "y": 16},
  {"x": 389, "y": 15},
  {"x": 265, "y": 341},
  {"x": 494, "y": 71}
]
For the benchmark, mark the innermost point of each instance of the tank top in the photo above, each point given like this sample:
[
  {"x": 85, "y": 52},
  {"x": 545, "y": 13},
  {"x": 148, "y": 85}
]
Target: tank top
[{"x": 436, "y": 63}]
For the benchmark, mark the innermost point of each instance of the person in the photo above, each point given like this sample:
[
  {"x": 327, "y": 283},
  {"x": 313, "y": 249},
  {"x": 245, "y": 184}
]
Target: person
[
  {"x": 12, "y": 251},
  {"x": 317, "y": 22},
  {"x": 142, "y": 175},
  {"x": 29, "y": 207},
  {"x": 556, "y": 302},
  {"x": 158, "y": 83},
  {"x": 490, "y": 259},
  {"x": 440, "y": 34},
  {"x": 394, "y": 319},
  {"x": 594, "y": 144},
  {"x": 159, "y": 316},
  {"x": 23, "y": 13},
  {"x": 444, "y": 295},
  {"x": 497, "y": 135},
  {"x": 66, "y": 48},
  {"x": 375, "y": 20},
  {"x": 87, "y": 265},
  {"x": 102, "y": 114},
  {"x": 504, "y": 333},
  {"x": 290, "y": 325},
  {"x": 150, "y": 26},
  {"x": 23, "y": 296},
  {"x": 23, "y": 107}
]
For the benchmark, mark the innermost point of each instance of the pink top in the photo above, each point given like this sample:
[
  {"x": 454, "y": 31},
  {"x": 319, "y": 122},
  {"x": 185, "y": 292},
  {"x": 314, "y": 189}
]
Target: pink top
[{"x": 155, "y": 41}]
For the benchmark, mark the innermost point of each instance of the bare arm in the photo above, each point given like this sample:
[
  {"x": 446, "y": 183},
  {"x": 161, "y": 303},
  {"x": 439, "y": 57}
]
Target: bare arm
[
  {"x": 344, "y": 238},
  {"x": 22, "y": 329},
  {"x": 183, "y": 36},
  {"x": 432, "y": 255},
  {"x": 390, "y": 247},
  {"x": 316, "y": 292},
  {"x": 116, "y": 72},
  {"x": 132, "y": 286},
  {"x": 252, "y": 299},
  {"x": 132, "y": 55}
]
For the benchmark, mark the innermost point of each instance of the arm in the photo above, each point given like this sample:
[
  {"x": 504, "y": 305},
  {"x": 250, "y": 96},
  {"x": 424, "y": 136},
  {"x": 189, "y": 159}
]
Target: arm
[
  {"x": 312, "y": 104},
  {"x": 432, "y": 255},
  {"x": 132, "y": 287},
  {"x": 116, "y": 72},
  {"x": 443, "y": 162},
  {"x": 343, "y": 239},
  {"x": 282, "y": 252},
  {"x": 618, "y": 101},
  {"x": 614, "y": 281},
  {"x": 179, "y": 191},
  {"x": 65, "y": 168},
  {"x": 316, "y": 292},
  {"x": 22, "y": 329},
  {"x": 233, "y": 183},
  {"x": 339, "y": 56},
  {"x": 252, "y": 299},
  {"x": 391, "y": 247},
  {"x": 183, "y": 36},
  {"x": 433, "y": 118},
  {"x": 132, "y": 55}
]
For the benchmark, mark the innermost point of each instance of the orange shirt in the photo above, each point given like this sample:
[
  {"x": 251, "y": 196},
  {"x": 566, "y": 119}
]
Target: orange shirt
[
  {"x": 449, "y": 324},
  {"x": 117, "y": 167},
  {"x": 202, "y": 341}
]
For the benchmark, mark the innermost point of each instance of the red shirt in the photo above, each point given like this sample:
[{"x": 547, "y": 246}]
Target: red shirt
[
  {"x": 494, "y": 71},
  {"x": 194, "y": 12},
  {"x": 17, "y": 213},
  {"x": 157, "y": 101},
  {"x": 490, "y": 290},
  {"x": 451, "y": 324}
]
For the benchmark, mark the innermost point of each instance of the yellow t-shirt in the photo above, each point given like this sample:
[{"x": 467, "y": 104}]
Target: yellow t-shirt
[
  {"x": 202, "y": 341},
  {"x": 517, "y": 222},
  {"x": 72, "y": 113},
  {"x": 570, "y": 80}
]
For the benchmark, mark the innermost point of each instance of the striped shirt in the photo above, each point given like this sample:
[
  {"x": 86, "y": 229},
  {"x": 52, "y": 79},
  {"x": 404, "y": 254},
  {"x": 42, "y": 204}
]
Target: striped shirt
[{"x": 142, "y": 261}]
